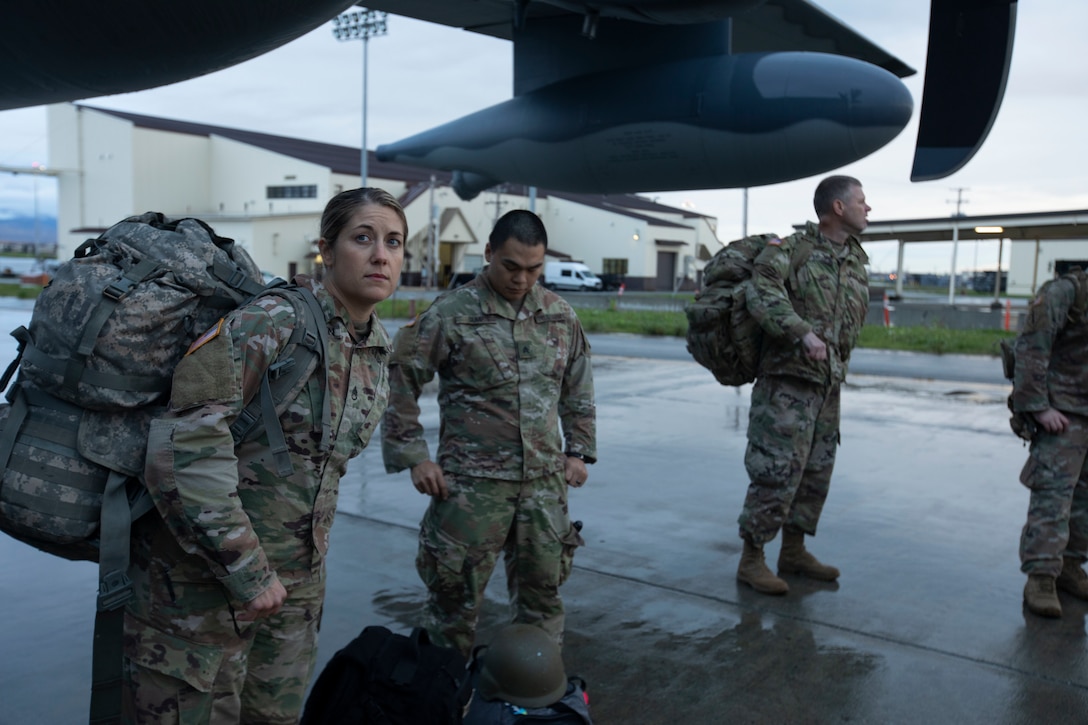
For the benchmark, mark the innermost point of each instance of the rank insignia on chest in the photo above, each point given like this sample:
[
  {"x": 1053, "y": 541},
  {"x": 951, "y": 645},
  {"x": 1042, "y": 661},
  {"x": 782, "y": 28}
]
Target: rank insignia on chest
[{"x": 525, "y": 351}]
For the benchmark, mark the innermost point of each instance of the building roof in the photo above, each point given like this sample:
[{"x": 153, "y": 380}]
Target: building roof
[
  {"x": 347, "y": 160},
  {"x": 338, "y": 159}
]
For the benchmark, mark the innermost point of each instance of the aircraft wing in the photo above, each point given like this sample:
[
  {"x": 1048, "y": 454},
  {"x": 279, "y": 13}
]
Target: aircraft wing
[
  {"x": 65, "y": 50},
  {"x": 758, "y": 25},
  {"x": 781, "y": 25},
  {"x": 610, "y": 96}
]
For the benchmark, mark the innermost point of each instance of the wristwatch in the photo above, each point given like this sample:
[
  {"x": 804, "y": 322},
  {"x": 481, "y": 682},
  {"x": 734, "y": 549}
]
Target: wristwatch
[{"x": 579, "y": 456}]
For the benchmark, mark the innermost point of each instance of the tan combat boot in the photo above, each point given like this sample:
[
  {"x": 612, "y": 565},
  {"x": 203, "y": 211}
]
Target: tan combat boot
[
  {"x": 1041, "y": 597},
  {"x": 753, "y": 571},
  {"x": 1073, "y": 580},
  {"x": 794, "y": 559}
]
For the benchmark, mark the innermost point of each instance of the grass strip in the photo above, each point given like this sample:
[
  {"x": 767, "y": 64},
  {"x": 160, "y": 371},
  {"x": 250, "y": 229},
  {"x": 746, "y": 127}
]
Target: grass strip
[{"x": 936, "y": 339}]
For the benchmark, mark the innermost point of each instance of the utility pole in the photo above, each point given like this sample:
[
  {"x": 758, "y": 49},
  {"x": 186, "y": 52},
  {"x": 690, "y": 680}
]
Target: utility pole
[
  {"x": 499, "y": 203},
  {"x": 433, "y": 227},
  {"x": 955, "y": 242},
  {"x": 362, "y": 24},
  {"x": 744, "y": 217},
  {"x": 38, "y": 167}
]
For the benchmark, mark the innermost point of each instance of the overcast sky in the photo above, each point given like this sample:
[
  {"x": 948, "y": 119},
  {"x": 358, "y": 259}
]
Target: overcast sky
[{"x": 422, "y": 75}]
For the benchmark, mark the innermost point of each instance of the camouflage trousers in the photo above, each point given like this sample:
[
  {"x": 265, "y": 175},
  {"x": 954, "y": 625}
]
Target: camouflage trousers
[
  {"x": 793, "y": 432},
  {"x": 1057, "y": 474},
  {"x": 189, "y": 660},
  {"x": 460, "y": 540}
]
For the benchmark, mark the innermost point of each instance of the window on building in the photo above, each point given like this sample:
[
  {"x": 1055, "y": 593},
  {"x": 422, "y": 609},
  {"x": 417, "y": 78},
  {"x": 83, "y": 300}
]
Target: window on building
[
  {"x": 301, "y": 191},
  {"x": 614, "y": 266}
]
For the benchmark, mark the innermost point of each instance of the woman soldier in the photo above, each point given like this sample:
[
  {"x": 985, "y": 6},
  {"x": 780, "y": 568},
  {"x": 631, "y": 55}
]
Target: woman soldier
[{"x": 229, "y": 573}]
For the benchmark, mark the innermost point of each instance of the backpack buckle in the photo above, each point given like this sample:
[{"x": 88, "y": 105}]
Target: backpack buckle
[
  {"x": 114, "y": 589},
  {"x": 280, "y": 367},
  {"x": 238, "y": 278},
  {"x": 117, "y": 289}
]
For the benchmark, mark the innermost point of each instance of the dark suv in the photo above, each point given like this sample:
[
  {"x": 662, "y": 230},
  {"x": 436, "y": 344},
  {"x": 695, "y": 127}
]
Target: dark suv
[{"x": 611, "y": 281}]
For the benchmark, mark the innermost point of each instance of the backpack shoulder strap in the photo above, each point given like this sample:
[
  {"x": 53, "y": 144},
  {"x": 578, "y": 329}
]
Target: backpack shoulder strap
[
  {"x": 799, "y": 250},
  {"x": 308, "y": 342},
  {"x": 114, "y": 590}
]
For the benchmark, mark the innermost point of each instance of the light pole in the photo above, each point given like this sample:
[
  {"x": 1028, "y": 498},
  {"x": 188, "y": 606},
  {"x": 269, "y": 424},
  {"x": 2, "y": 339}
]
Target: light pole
[
  {"x": 955, "y": 243},
  {"x": 362, "y": 24},
  {"x": 38, "y": 168}
]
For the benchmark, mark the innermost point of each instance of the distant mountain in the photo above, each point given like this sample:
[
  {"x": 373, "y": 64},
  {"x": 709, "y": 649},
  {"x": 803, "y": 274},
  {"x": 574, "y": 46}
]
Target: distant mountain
[{"x": 21, "y": 229}]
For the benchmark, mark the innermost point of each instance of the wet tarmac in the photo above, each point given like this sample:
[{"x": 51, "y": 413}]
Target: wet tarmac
[{"x": 924, "y": 626}]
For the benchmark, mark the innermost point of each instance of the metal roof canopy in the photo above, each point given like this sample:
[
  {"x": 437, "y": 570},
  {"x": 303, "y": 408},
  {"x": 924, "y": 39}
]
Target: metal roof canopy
[{"x": 1036, "y": 226}]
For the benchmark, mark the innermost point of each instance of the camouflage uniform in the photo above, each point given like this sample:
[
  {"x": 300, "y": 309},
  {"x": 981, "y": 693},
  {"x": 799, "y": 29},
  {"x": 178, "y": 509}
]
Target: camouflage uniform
[
  {"x": 793, "y": 426},
  {"x": 1050, "y": 373},
  {"x": 507, "y": 378},
  {"x": 228, "y": 526}
]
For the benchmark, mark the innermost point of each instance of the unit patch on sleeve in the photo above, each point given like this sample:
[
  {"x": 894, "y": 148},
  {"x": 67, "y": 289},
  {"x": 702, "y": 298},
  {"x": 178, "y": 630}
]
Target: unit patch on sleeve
[{"x": 207, "y": 337}]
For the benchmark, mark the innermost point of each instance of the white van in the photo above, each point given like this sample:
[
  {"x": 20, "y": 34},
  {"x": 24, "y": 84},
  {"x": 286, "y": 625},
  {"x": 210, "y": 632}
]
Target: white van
[{"x": 570, "y": 275}]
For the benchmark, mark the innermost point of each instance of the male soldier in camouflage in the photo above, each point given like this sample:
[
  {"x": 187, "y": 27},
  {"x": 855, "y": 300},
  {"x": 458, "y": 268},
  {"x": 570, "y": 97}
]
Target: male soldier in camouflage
[
  {"x": 229, "y": 573},
  {"x": 1051, "y": 385},
  {"x": 811, "y": 318},
  {"x": 512, "y": 362}
]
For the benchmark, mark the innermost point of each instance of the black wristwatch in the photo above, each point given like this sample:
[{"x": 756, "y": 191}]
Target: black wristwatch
[{"x": 579, "y": 456}]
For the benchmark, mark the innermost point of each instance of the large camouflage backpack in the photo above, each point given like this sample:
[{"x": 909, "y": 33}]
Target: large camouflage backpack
[
  {"x": 95, "y": 366},
  {"x": 1024, "y": 425},
  {"x": 722, "y": 336}
]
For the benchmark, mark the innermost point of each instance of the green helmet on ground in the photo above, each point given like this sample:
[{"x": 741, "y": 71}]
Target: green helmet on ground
[{"x": 522, "y": 666}]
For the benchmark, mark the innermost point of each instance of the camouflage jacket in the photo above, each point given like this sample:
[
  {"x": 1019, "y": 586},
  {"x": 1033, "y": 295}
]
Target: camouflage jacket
[
  {"x": 828, "y": 295},
  {"x": 506, "y": 379},
  {"x": 227, "y": 508},
  {"x": 1052, "y": 351}
]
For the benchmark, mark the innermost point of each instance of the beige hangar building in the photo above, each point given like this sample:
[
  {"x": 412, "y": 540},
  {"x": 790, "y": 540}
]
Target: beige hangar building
[{"x": 267, "y": 193}]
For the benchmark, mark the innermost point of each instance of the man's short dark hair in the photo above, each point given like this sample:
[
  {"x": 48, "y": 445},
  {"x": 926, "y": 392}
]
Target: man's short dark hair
[
  {"x": 519, "y": 224},
  {"x": 830, "y": 189}
]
